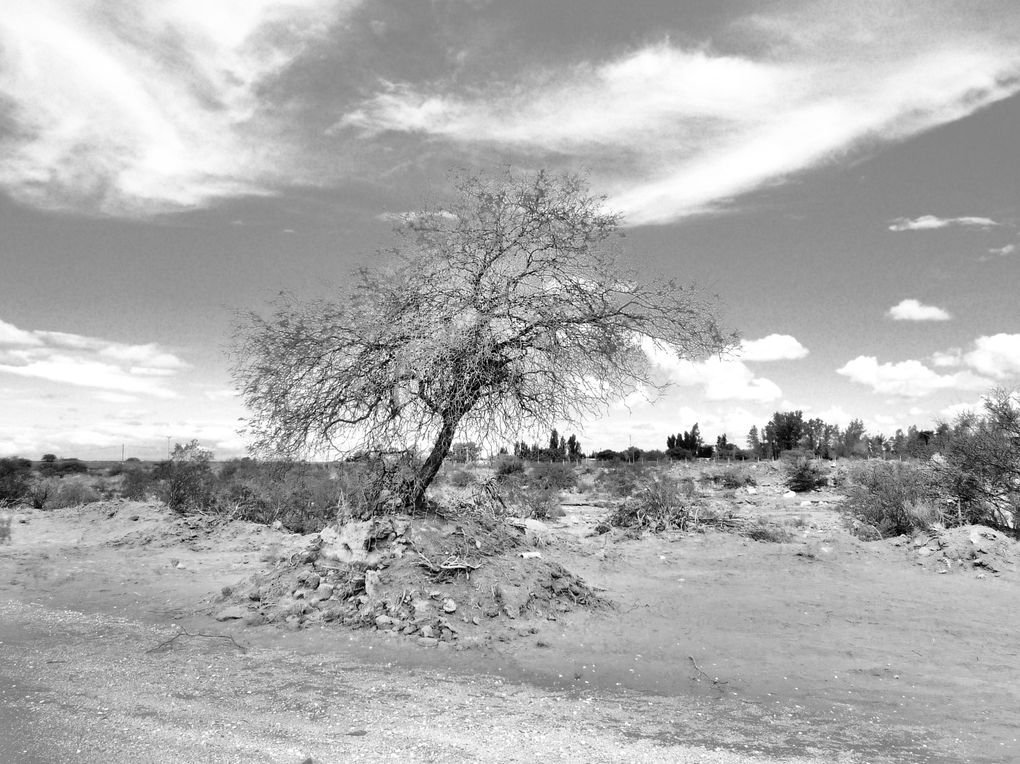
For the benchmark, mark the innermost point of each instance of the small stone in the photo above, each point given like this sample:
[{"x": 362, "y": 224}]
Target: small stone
[
  {"x": 232, "y": 613},
  {"x": 255, "y": 595},
  {"x": 428, "y": 631},
  {"x": 449, "y": 606},
  {"x": 324, "y": 592},
  {"x": 383, "y": 622},
  {"x": 428, "y": 641}
]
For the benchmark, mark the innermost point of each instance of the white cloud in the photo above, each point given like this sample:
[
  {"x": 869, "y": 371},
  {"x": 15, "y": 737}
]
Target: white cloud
[
  {"x": 907, "y": 379},
  {"x": 951, "y": 412},
  {"x": 913, "y": 310},
  {"x": 930, "y": 222},
  {"x": 721, "y": 379},
  {"x": 996, "y": 356},
  {"x": 681, "y": 130},
  {"x": 141, "y": 107},
  {"x": 11, "y": 336},
  {"x": 946, "y": 359},
  {"x": 774, "y": 347},
  {"x": 116, "y": 368}
]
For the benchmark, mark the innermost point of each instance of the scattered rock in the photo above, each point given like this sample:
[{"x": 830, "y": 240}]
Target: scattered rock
[
  {"x": 232, "y": 613},
  {"x": 449, "y": 606}
]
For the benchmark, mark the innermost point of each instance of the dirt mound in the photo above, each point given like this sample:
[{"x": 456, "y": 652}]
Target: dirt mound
[
  {"x": 466, "y": 580},
  {"x": 967, "y": 548}
]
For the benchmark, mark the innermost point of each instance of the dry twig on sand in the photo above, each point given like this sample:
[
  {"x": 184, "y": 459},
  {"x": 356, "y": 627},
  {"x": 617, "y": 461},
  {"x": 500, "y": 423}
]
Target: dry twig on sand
[
  {"x": 185, "y": 633},
  {"x": 697, "y": 668}
]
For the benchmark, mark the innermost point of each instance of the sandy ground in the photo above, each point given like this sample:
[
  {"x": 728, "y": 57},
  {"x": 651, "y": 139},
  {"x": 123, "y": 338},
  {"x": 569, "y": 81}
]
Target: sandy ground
[{"x": 720, "y": 649}]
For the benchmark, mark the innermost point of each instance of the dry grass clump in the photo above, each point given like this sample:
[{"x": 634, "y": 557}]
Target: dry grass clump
[
  {"x": 768, "y": 531},
  {"x": 660, "y": 503}
]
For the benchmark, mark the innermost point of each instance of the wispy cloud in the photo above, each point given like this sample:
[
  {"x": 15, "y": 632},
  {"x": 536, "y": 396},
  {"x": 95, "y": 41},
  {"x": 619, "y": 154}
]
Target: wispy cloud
[
  {"x": 930, "y": 222},
  {"x": 914, "y": 310},
  {"x": 73, "y": 359},
  {"x": 674, "y": 130},
  {"x": 129, "y": 108},
  {"x": 997, "y": 252},
  {"x": 774, "y": 347}
]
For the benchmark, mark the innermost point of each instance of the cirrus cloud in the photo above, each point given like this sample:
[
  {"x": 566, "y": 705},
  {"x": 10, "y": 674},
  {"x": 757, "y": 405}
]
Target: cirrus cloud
[
  {"x": 135, "y": 108},
  {"x": 81, "y": 361},
  {"x": 931, "y": 222},
  {"x": 679, "y": 130}
]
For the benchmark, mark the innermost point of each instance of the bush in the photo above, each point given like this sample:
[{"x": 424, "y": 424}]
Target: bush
[
  {"x": 768, "y": 531},
  {"x": 536, "y": 502},
  {"x": 185, "y": 486},
  {"x": 659, "y": 504},
  {"x": 72, "y": 492},
  {"x": 981, "y": 470},
  {"x": 41, "y": 492},
  {"x": 621, "y": 480},
  {"x": 735, "y": 478},
  {"x": 304, "y": 498},
  {"x": 552, "y": 475},
  {"x": 53, "y": 467},
  {"x": 803, "y": 475},
  {"x": 136, "y": 484},
  {"x": 461, "y": 478},
  {"x": 506, "y": 465},
  {"x": 894, "y": 497},
  {"x": 15, "y": 478}
]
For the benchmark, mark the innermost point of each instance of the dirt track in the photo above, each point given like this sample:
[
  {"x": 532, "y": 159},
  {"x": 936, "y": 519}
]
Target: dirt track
[{"x": 825, "y": 649}]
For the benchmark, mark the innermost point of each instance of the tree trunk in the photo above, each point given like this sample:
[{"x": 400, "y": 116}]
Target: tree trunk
[{"x": 414, "y": 489}]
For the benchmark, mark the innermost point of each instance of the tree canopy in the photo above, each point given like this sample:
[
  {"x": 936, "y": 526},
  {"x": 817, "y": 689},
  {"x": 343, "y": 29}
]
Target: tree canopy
[{"x": 504, "y": 310}]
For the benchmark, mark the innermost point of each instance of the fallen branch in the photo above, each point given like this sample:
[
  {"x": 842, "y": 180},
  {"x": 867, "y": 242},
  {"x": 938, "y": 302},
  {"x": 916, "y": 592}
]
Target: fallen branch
[
  {"x": 697, "y": 668},
  {"x": 450, "y": 564},
  {"x": 185, "y": 633}
]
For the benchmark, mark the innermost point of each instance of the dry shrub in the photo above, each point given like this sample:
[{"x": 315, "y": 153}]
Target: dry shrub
[
  {"x": 72, "y": 492},
  {"x": 893, "y": 497},
  {"x": 557, "y": 475},
  {"x": 461, "y": 478},
  {"x": 768, "y": 531},
  {"x": 137, "y": 484},
  {"x": 621, "y": 480},
  {"x": 659, "y": 504}
]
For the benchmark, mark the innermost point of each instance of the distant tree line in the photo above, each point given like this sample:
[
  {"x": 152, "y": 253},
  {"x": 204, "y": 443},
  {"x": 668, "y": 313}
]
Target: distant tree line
[
  {"x": 789, "y": 431},
  {"x": 559, "y": 449}
]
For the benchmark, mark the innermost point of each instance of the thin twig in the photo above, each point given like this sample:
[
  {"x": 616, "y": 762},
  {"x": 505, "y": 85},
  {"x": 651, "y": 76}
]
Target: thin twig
[
  {"x": 698, "y": 669},
  {"x": 185, "y": 633}
]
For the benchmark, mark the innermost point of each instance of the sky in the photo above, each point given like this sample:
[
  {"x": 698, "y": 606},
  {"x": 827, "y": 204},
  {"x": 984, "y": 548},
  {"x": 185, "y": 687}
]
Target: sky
[{"x": 844, "y": 176}]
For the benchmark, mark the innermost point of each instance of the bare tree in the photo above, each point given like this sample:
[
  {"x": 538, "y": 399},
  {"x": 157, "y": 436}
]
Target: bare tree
[{"x": 503, "y": 311}]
